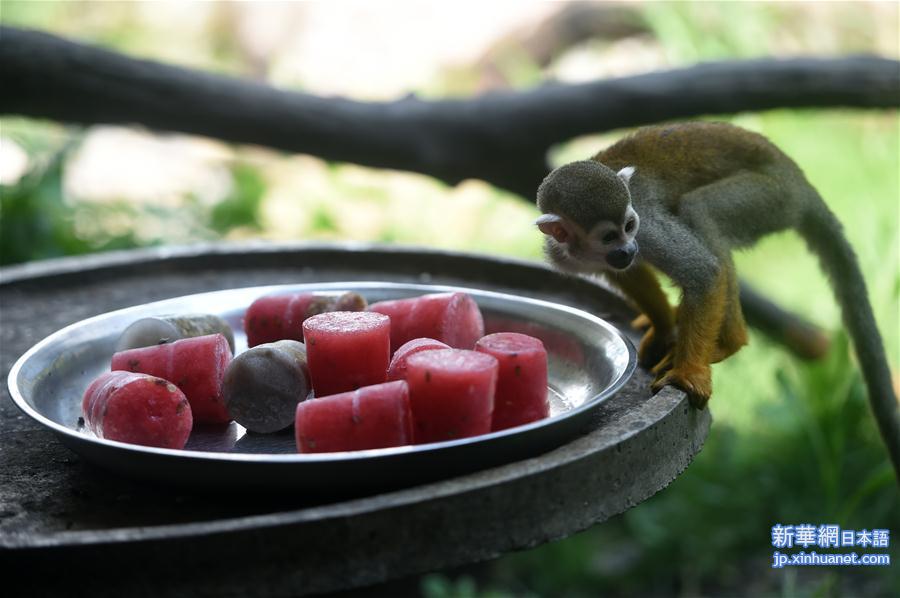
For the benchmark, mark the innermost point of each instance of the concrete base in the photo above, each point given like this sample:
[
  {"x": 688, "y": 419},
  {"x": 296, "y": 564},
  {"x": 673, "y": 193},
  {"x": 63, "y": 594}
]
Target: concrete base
[{"x": 69, "y": 522}]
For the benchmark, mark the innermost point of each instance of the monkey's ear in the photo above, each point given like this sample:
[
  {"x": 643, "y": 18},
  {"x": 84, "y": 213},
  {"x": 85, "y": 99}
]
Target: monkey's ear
[
  {"x": 551, "y": 224},
  {"x": 625, "y": 174}
]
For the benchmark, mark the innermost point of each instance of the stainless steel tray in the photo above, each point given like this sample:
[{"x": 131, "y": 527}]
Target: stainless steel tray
[{"x": 589, "y": 360}]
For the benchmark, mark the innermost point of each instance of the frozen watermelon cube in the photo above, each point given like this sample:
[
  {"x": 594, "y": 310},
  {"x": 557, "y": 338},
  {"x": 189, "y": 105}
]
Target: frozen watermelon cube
[
  {"x": 522, "y": 378},
  {"x": 397, "y": 369},
  {"x": 452, "y": 318},
  {"x": 138, "y": 409},
  {"x": 452, "y": 393},
  {"x": 195, "y": 365},
  {"x": 347, "y": 350},
  {"x": 276, "y": 317},
  {"x": 371, "y": 417}
]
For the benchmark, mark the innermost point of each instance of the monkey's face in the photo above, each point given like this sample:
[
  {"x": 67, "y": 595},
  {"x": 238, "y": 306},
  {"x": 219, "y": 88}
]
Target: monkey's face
[
  {"x": 608, "y": 245},
  {"x": 588, "y": 218}
]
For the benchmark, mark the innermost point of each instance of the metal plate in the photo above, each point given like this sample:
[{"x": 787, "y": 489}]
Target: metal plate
[{"x": 589, "y": 360}]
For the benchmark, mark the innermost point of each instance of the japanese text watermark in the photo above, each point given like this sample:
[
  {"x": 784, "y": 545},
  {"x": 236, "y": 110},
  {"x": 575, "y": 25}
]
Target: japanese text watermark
[{"x": 827, "y": 536}]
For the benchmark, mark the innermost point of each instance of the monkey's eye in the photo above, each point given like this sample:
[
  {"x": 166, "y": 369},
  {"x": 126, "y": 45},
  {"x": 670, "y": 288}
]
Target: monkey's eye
[
  {"x": 610, "y": 237},
  {"x": 629, "y": 226}
]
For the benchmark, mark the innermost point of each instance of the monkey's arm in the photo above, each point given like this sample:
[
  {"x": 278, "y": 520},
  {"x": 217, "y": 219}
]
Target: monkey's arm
[
  {"x": 798, "y": 335},
  {"x": 702, "y": 274},
  {"x": 641, "y": 285}
]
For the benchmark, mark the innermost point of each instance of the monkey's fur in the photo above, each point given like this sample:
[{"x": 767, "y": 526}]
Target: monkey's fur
[{"x": 678, "y": 198}]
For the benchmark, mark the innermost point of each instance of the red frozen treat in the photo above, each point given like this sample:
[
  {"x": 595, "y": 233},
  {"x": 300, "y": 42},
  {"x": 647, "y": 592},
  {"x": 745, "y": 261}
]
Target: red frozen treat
[
  {"x": 452, "y": 318},
  {"x": 137, "y": 408},
  {"x": 451, "y": 392},
  {"x": 367, "y": 418},
  {"x": 562, "y": 344},
  {"x": 195, "y": 365},
  {"x": 347, "y": 350},
  {"x": 397, "y": 369},
  {"x": 521, "y": 395},
  {"x": 277, "y": 317}
]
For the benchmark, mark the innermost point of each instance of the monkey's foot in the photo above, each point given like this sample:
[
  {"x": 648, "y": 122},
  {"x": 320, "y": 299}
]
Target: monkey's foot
[
  {"x": 655, "y": 349},
  {"x": 695, "y": 381},
  {"x": 642, "y": 322}
]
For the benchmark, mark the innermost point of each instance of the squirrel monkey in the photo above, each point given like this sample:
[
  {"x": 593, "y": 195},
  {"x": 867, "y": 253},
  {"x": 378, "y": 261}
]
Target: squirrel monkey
[{"x": 677, "y": 199}]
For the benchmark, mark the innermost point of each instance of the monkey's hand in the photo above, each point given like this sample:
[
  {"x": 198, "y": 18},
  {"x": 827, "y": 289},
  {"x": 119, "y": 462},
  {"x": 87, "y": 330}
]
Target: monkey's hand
[
  {"x": 695, "y": 380},
  {"x": 642, "y": 322},
  {"x": 654, "y": 348}
]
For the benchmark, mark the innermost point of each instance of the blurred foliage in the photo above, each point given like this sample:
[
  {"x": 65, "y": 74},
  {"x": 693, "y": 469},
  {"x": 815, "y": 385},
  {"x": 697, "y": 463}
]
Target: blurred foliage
[
  {"x": 792, "y": 442},
  {"x": 30, "y": 214},
  {"x": 241, "y": 207},
  {"x": 37, "y": 221},
  {"x": 810, "y": 458}
]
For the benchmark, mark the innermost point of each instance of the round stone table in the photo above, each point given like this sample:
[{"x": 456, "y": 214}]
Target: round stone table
[{"x": 69, "y": 528}]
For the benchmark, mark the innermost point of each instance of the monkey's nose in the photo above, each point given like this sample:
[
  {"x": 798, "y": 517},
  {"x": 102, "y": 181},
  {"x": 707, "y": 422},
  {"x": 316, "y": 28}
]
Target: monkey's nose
[{"x": 620, "y": 258}]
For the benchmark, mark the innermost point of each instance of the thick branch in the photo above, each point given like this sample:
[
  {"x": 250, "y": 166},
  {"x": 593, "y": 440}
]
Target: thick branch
[{"x": 501, "y": 138}]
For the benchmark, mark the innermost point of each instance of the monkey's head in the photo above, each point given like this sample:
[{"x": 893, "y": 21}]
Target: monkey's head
[{"x": 587, "y": 217}]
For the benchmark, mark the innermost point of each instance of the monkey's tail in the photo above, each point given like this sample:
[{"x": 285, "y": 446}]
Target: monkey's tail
[{"x": 825, "y": 237}]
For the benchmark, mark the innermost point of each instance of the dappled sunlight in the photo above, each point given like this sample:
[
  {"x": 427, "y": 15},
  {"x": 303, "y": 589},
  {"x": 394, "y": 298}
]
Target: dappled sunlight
[
  {"x": 115, "y": 163},
  {"x": 13, "y": 161},
  {"x": 310, "y": 199}
]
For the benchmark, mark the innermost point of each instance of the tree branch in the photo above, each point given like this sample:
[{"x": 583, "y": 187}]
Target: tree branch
[{"x": 500, "y": 137}]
